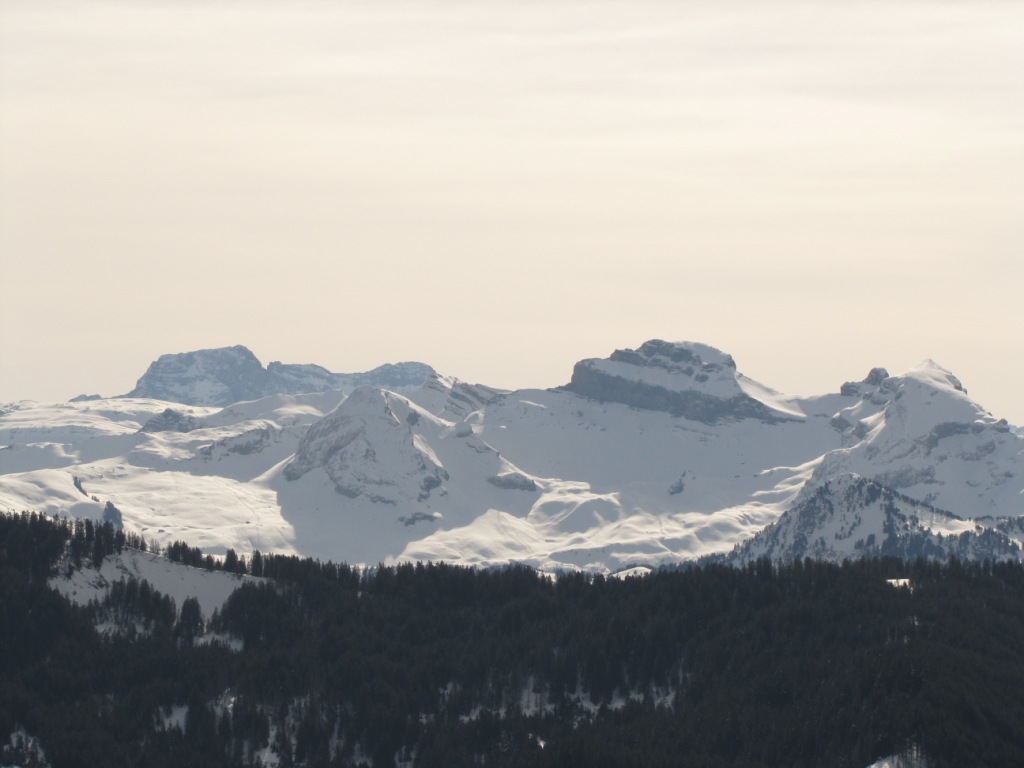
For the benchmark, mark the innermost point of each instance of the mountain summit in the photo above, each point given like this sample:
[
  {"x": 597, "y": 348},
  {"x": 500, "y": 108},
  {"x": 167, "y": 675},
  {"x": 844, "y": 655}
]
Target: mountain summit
[
  {"x": 694, "y": 381},
  {"x": 653, "y": 455},
  {"x": 226, "y": 375}
]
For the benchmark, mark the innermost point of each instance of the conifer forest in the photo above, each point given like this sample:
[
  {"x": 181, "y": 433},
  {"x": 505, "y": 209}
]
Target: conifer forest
[{"x": 322, "y": 664}]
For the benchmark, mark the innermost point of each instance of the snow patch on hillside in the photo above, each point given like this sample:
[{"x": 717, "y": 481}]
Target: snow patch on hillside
[
  {"x": 23, "y": 749},
  {"x": 911, "y": 758},
  {"x": 180, "y": 582}
]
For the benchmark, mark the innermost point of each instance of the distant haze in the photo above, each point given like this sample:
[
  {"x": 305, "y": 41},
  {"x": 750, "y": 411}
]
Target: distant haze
[{"x": 500, "y": 189}]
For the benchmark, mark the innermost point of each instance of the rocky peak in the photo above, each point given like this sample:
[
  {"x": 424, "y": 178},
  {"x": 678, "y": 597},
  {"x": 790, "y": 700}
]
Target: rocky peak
[
  {"x": 873, "y": 380},
  {"x": 919, "y": 433},
  {"x": 368, "y": 447},
  {"x": 685, "y": 379},
  {"x": 220, "y": 377},
  {"x": 204, "y": 377},
  {"x": 689, "y": 358}
]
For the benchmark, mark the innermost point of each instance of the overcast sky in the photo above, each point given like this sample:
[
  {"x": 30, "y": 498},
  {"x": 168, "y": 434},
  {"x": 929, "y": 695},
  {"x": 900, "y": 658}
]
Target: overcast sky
[{"x": 501, "y": 188}]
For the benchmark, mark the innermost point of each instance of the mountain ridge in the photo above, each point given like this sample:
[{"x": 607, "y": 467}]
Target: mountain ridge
[
  {"x": 686, "y": 379},
  {"x": 225, "y": 375},
  {"x": 655, "y": 455},
  {"x": 850, "y": 517}
]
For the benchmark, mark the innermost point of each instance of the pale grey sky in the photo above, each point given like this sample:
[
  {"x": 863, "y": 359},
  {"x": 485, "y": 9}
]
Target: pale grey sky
[{"x": 502, "y": 188}]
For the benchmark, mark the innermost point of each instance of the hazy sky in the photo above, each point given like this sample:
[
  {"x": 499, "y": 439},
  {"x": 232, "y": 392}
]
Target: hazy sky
[{"x": 501, "y": 188}]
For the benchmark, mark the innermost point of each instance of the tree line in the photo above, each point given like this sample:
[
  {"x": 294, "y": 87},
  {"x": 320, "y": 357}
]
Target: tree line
[{"x": 807, "y": 664}]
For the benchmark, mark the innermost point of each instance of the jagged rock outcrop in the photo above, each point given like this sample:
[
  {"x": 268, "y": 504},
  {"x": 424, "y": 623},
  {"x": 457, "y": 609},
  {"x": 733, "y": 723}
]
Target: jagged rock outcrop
[
  {"x": 873, "y": 380},
  {"x": 513, "y": 481}
]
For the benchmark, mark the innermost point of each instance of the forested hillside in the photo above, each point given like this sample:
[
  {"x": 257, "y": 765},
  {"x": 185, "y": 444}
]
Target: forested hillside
[{"x": 809, "y": 664}]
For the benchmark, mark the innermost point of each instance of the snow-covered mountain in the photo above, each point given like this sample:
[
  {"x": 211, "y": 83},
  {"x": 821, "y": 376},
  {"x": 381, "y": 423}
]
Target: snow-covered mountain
[
  {"x": 651, "y": 456},
  {"x": 920, "y": 433},
  {"x": 693, "y": 381},
  {"x": 850, "y": 516},
  {"x": 231, "y": 374}
]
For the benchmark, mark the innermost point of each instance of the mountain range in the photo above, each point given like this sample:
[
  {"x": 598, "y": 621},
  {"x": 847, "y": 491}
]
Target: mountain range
[
  {"x": 652, "y": 456},
  {"x": 229, "y": 375}
]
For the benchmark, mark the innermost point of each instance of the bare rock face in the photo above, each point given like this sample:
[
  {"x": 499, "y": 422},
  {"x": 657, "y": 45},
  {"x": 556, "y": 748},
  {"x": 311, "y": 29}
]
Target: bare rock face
[
  {"x": 173, "y": 421},
  {"x": 874, "y": 379},
  {"x": 688, "y": 380},
  {"x": 204, "y": 377},
  {"x": 219, "y": 377},
  {"x": 288, "y": 379}
]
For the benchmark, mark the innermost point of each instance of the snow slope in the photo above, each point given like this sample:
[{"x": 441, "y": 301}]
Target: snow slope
[
  {"x": 177, "y": 581},
  {"x": 196, "y": 485},
  {"x": 851, "y": 517},
  {"x": 651, "y": 456},
  {"x": 921, "y": 434}
]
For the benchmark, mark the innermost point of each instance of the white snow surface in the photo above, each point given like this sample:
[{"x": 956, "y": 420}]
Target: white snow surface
[
  {"x": 210, "y": 588},
  {"x": 470, "y": 474},
  {"x": 22, "y": 743},
  {"x": 912, "y": 758},
  {"x": 920, "y": 434}
]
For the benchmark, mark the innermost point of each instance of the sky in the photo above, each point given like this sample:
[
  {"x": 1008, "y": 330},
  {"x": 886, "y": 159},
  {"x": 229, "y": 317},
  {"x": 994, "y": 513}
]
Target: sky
[{"x": 501, "y": 188}]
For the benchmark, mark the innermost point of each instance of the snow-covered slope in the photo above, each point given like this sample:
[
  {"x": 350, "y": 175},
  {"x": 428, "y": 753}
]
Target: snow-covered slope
[
  {"x": 231, "y": 374},
  {"x": 371, "y": 446},
  {"x": 851, "y": 517},
  {"x": 920, "y": 433},
  {"x": 651, "y": 456},
  {"x": 71, "y": 459},
  {"x": 179, "y": 582}
]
